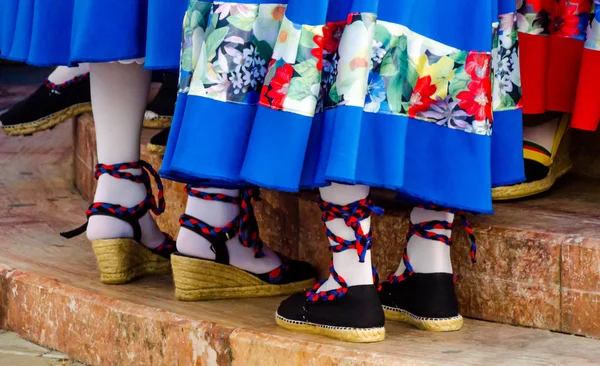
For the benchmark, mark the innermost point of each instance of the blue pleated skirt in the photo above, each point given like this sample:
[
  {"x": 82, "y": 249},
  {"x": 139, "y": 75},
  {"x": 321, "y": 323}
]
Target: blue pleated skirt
[
  {"x": 404, "y": 95},
  {"x": 66, "y": 32}
]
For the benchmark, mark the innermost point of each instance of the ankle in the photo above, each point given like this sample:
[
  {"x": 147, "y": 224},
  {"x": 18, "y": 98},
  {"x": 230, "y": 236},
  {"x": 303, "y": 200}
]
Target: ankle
[{"x": 121, "y": 192}]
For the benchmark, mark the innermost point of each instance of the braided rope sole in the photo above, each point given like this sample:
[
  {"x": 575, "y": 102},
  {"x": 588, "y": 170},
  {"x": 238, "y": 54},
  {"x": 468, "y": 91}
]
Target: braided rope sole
[
  {"x": 346, "y": 334},
  {"x": 156, "y": 149},
  {"x": 158, "y": 122},
  {"x": 561, "y": 166},
  {"x": 47, "y": 122},
  {"x": 123, "y": 260},
  {"x": 429, "y": 324},
  {"x": 198, "y": 279}
]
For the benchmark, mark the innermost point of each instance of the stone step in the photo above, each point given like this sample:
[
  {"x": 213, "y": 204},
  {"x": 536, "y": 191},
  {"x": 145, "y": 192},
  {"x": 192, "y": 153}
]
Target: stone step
[
  {"x": 50, "y": 294},
  {"x": 539, "y": 259}
]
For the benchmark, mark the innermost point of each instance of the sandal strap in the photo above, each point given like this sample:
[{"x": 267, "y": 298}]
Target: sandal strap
[
  {"x": 131, "y": 215},
  {"x": 352, "y": 215},
  {"x": 425, "y": 230},
  {"x": 245, "y": 225},
  {"x": 58, "y": 87}
]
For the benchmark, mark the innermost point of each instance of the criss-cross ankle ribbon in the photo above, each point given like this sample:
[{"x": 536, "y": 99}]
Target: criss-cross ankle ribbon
[
  {"x": 191, "y": 222},
  {"x": 245, "y": 225},
  {"x": 137, "y": 211},
  {"x": 426, "y": 230},
  {"x": 352, "y": 215},
  {"x": 58, "y": 87}
]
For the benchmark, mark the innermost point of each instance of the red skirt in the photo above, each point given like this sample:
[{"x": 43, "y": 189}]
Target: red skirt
[{"x": 559, "y": 53}]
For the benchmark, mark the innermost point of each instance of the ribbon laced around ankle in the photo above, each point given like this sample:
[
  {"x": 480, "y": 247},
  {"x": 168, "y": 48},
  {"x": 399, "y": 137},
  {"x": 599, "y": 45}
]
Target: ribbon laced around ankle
[
  {"x": 425, "y": 230},
  {"x": 245, "y": 225},
  {"x": 352, "y": 215},
  {"x": 137, "y": 211}
]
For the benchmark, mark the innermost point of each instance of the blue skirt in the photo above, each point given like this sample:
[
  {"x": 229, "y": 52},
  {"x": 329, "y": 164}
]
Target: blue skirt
[
  {"x": 393, "y": 94},
  {"x": 66, "y": 32}
]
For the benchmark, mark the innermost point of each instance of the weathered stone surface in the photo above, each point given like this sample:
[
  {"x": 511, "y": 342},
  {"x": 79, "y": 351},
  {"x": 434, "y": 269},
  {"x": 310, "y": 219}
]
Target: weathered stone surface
[
  {"x": 100, "y": 330},
  {"x": 84, "y": 158}
]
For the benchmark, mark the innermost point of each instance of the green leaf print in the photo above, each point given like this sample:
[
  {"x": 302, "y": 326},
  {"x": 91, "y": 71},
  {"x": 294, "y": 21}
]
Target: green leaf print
[
  {"x": 460, "y": 82},
  {"x": 506, "y": 102},
  {"x": 333, "y": 95},
  {"x": 299, "y": 89},
  {"x": 389, "y": 64},
  {"x": 395, "y": 91},
  {"x": 264, "y": 49},
  {"x": 242, "y": 22},
  {"x": 186, "y": 60},
  {"x": 460, "y": 57},
  {"x": 382, "y": 35},
  {"x": 307, "y": 39},
  {"x": 308, "y": 70},
  {"x": 214, "y": 40}
]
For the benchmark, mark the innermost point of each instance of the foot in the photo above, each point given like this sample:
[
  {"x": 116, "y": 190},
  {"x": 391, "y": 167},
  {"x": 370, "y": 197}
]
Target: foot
[
  {"x": 355, "y": 317},
  {"x": 50, "y": 105},
  {"x": 426, "y": 300},
  {"x": 229, "y": 260},
  {"x": 349, "y": 311},
  {"x": 124, "y": 237}
]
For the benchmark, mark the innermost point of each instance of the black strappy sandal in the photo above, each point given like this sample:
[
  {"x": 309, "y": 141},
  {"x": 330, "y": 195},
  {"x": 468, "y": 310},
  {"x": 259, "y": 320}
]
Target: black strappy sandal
[
  {"x": 122, "y": 260},
  {"x": 203, "y": 279},
  {"x": 348, "y": 313},
  {"x": 425, "y": 300}
]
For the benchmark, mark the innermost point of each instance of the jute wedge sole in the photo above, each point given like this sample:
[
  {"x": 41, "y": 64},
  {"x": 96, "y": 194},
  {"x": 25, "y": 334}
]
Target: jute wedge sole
[
  {"x": 198, "y": 279},
  {"x": 429, "y": 324},
  {"x": 561, "y": 166},
  {"x": 355, "y": 335},
  {"x": 158, "y": 122},
  {"x": 156, "y": 149},
  {"x": 48, "y": 121},
  {"x": 123, "y": 260}
]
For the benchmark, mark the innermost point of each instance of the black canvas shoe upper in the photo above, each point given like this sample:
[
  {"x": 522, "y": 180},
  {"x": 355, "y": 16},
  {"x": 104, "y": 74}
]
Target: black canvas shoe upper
[
  {"x": 358, "y": 308},
  {"x": 427, "y": 295},
  {"x": 164, "y": 102},
  {"x": 161, "y": 138},
  {"x": 48, "y": 99}
]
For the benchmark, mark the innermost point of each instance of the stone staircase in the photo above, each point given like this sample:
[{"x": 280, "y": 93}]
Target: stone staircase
[{"x": 539, "y": 267}]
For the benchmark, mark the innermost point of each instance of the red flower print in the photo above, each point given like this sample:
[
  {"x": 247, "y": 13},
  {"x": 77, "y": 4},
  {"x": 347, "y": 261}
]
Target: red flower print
[
  {"x": 420, "y": 100},
  {"x": 332, "y": 34},
  {"x": 539, "y": 5},
  {"x": 477, "y": 100},
  {"x": 564, "y": 20},
  {"x": 318, "y": 52},
  {"x": 477, "y": 65},
  {"x": 279, "y": 86},
  {"x": 583, "y": 6}
]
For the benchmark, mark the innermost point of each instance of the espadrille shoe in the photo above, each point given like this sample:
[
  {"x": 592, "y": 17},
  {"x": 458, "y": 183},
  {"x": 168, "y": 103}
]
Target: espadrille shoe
[
  {"x": 542, "y": 167},
  {"x": 425, "y": 300},
  {"x": 122, "y": 260},
  {"x": 203, "y": 279},
  {"x": 159, "y": 112},
  {"x": 50, "y": 105},
  {"x": 348, "y": 313},
  {"x": 158, "y": 142}
]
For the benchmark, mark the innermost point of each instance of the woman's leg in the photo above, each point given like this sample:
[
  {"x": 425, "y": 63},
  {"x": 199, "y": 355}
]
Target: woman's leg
[{"x": 119, "y": 95}]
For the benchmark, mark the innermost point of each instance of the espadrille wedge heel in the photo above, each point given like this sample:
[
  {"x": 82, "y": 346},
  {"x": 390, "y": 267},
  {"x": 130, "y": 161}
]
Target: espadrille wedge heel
[
  {"x": 542, "y": 168},
  {"x": 348, "y": 313},
  {"x": 425, "y": 300},
  {"x": 121, "y": 260},
  {"x": 203, "y": 279}
]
